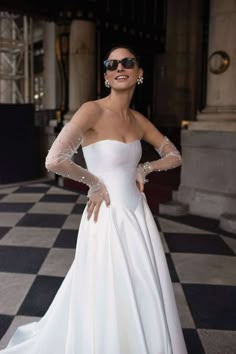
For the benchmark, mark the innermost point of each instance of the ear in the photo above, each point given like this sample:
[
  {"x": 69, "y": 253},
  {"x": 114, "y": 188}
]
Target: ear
[
  {"x": 140, "y": 72},
  {"x": 105, "y": 75}
]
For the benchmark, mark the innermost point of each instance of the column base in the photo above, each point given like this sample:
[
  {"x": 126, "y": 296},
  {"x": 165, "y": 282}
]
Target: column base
[
  {"x": 229, "y": 126},
  {"x": 217, "y": 114},
  {"x": 215, "y": 119},
  {"x": 228, "y": 222},
  {"x": 207, "y": 185},
  {"x": 205, "y": 203},
  {"x": 173, "y": 208}
]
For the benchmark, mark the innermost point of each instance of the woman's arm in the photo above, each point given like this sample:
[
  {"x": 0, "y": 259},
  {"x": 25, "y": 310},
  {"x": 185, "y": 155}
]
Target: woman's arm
[
  {"x": 59, "y": 158},
  {"x": 169, "y": 155}
]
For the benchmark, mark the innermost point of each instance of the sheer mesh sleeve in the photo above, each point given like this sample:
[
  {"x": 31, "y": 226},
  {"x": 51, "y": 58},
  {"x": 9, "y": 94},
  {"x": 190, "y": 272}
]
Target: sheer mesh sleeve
[
  {"x": 170, "y": 158},
  {"x": 59, "y": 160}
]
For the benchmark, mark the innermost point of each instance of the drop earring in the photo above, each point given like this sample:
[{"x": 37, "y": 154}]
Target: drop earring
[
  {"x": 140, "y": 80},
  {"x": 107, "y": 84}
]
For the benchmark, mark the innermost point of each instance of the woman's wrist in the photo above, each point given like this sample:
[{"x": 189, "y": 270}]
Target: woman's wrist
[{"x": 147, "y": 167}]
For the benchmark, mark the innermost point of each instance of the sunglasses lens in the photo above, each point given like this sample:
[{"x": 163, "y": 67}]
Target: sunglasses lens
[
  {"x": 128, "y": 63},
  {"x": 111, "y": 64}
]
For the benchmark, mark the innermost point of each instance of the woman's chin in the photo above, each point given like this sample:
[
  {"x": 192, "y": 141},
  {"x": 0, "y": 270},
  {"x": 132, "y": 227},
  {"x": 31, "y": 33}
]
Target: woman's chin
[{"x": 123, "y": 86}]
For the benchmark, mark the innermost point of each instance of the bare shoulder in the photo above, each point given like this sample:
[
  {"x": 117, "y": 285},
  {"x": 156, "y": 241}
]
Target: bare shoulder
[
  {"x": 142, "y": 121},
  {"x": 150, "y": 133},
  {"x": 90, "y": 107},
  {"x": 87, "y": 115}
]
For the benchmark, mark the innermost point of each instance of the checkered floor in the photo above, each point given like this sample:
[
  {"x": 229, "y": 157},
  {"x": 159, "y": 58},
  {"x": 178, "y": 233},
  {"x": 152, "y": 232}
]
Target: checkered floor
[{"x": 38, "y": 231}]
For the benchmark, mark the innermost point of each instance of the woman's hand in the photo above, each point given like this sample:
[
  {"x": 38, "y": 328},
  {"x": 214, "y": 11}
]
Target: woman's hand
[
  {"x": 97, "y": 194},
  {"x": 140, "y": 177}
]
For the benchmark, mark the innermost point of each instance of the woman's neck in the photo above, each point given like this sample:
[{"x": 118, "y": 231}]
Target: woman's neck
[{"x": 119, "y": 102}]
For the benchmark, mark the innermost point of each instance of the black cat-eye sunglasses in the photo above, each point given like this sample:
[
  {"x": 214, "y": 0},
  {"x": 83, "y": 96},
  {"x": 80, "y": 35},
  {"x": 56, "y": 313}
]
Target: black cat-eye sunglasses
[{"x": 112, "y": 64}]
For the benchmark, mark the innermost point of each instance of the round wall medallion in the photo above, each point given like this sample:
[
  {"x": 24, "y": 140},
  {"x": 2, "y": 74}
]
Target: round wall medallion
[{"x": 218, "y": 62}]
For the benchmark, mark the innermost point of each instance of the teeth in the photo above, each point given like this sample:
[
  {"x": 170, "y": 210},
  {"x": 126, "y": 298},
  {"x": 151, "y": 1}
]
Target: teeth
[{"x": 121, "y": 77}]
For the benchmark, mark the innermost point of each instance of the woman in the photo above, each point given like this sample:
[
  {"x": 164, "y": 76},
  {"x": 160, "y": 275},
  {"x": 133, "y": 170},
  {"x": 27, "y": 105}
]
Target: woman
[{"x": 117, "y": 297}]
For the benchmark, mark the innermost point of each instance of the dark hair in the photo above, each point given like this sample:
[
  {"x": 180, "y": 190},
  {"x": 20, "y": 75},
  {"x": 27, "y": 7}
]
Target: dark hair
[{"x": 130, "y": 49}]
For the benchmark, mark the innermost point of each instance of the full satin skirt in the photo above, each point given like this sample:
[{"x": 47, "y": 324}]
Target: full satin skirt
[{"x": 117, "y": 297}]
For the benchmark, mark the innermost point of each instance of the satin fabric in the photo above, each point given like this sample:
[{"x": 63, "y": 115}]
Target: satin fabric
[{"x": 117, "y": 297}]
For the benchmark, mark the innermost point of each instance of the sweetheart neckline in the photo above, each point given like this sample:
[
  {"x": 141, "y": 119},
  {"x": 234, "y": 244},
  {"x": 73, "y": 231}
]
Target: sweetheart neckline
[{"x": 113, "y": 140}]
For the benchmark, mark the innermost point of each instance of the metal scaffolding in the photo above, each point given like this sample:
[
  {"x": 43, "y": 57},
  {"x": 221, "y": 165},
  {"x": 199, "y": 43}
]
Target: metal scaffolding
[{"x": 16, "y": 59}]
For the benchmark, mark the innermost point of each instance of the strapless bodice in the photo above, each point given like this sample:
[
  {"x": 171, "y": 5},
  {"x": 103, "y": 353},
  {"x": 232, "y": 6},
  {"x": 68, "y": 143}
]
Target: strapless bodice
[{"x": 115, "y": 163}]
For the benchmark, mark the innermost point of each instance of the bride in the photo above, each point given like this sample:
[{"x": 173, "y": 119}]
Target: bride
[{"x": 117, "y": 297}]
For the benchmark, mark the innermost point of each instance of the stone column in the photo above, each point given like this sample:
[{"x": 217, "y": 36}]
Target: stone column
[
  {"x": 6, "y": 90},
  {"x": 49, "y": 62},
  {"x": 82, "y": 64},
  {"x": 220, "y": 111},
  {"x": 208, "y": 172},
  {"x": 48, "y": 133},
  {"x": 82, "y": 76}
]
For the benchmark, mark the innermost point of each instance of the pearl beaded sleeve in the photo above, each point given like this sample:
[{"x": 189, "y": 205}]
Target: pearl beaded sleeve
[
  {"x": 59, "y": 160},
  {"x": 170, "y": 158}
]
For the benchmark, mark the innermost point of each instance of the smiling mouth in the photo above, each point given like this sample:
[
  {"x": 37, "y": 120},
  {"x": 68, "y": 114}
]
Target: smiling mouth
[{"x": 121, "y": 77}]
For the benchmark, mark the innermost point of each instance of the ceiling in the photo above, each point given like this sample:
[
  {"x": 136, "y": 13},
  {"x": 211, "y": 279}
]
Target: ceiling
[
  {"x": 143, "y": 20},
  {"x": 45, "y": 9}
]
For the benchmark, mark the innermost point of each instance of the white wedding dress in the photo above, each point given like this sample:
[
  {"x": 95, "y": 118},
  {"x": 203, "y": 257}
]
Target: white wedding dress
[{"x": 117, "y": 297}]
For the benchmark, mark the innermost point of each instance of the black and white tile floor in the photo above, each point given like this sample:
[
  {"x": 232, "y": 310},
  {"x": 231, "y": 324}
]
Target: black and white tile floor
[{"x": 38, "y": 231}]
